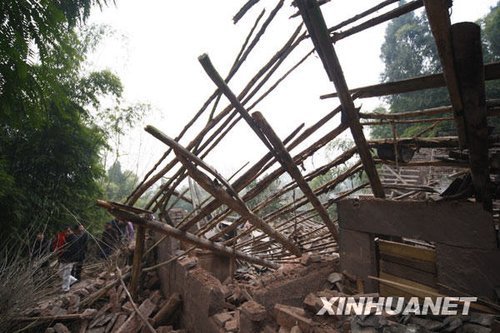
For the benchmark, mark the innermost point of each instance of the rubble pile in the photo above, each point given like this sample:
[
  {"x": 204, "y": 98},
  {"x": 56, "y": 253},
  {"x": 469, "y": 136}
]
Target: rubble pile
[
  {"x": 283, "y": 301},
  {"x": 251, "y": 316},
  {"x": 101, "y": 305}
]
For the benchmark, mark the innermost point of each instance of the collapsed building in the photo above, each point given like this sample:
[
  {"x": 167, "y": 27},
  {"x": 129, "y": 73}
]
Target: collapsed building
[{"x": 227, "y": 267}]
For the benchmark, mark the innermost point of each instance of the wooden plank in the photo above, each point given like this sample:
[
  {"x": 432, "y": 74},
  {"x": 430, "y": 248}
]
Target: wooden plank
[
  {"x": 357, "y": 256},
  {"x": 463, "y": 224},
  {"x": 408, "y": 272},
  {"x": 406, "y": 251},
  {"x": 424, "y": 266},
  {"x": 471, "y": 271},
  {"x": 415, "y": 288},
  {"x": 392, "y": 291},
  {"x": 315, "y": 22},
  {"x": 419, "y": 292},
  {"x": 467, "y": 47},
  {"x": 140, "y": 237}
]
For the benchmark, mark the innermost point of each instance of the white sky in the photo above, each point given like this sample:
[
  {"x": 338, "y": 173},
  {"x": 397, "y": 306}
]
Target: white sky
[{"x": 155, "y": 54}]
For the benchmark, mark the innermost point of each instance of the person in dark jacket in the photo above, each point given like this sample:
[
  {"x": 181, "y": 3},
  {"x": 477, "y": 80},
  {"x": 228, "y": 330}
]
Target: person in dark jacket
[
  {"x": 68, "y": 257},
  {"x": 81, "y": 243}
]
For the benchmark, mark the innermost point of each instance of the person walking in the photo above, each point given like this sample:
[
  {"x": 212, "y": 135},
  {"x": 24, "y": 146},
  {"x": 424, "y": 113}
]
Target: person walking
[
  {"x": 68, "y": 257},
  {"x": 81, "y": 245}
]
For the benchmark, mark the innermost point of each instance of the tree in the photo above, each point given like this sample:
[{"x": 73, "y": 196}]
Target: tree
[
  {"x": 51, "y": 156},
  {"x": 491, "y": 34},
  {"x": 30, "y": 33},
  {"x": 490, "y": 25},
  {"x": 53, "y": 127},
  {"x": 409, "y": 50},
  {"x": 119, "y": 184}
]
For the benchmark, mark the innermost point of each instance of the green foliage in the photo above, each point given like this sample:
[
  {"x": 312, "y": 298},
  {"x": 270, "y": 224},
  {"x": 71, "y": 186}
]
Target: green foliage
[
  {"x": 119, "y": 184},
  {"x": 491, "y": 34},
  {"x": 31, "y": 33},
  {"x": 409, "y": 51},
  {"x": 491, "y": 51},
  {"x": 53, "y": 132}
]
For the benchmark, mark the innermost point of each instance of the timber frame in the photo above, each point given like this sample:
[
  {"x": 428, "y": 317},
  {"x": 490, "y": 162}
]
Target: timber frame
[{"x": 464, "y": 76}]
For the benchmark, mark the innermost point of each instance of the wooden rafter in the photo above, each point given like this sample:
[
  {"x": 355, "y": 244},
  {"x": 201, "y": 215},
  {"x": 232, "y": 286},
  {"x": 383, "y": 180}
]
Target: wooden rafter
[
  {"x": 270, "y": 139},
  {"x": 229, "y": 198},
  {"x": 316, "y": 26}
]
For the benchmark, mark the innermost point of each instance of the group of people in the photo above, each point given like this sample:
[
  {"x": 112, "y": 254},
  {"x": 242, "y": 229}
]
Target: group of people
[{"x": 70, "y": 248}]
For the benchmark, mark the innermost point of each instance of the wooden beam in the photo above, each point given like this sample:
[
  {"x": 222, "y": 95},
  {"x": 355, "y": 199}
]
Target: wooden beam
[
  {"x": 439, "y": 142},
  {"x": 140, "y": 237},
  {"x": 246, "y": 7},
  {"x": 361, "y": 15},
  {"x": 283, "y": 156},
  {"x": 229, "y": 197},
  {"x": 491, "y": 72},
  {"x": 316, "y": 26},
  {"x": 409, "y": 114},
  {"x": 439, "y": 20},
  {"x": 404, "y": 9},
  {"x": 467, "y": 49},
  {"x": 164, "y": 228}
]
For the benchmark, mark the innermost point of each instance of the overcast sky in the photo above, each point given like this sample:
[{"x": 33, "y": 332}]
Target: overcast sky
[{"x": 155, "y": 49}]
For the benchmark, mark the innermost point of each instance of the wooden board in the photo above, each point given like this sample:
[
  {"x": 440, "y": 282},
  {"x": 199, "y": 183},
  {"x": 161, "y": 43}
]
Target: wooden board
[
  {"x": 462, "y": 224},
  {"x": 425, "y": 291},
  {"x": 406, "y": 251},
  {"x": 424, "y": 266},
  {"x": 408, "y": 272}
]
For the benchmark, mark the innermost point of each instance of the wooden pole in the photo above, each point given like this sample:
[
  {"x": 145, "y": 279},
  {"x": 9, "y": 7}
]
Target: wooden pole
[
  {"x": 283, "y": 156},
  {"x": 468, "y": 55},
  {"x": 361, "y": 15},
  {"x": 140, "y": 237},
  {"x": 406, "y": 8},
  {"x": 316, "y": 26},
  {"x": 161, "y": 227}
]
